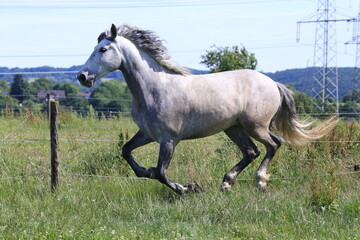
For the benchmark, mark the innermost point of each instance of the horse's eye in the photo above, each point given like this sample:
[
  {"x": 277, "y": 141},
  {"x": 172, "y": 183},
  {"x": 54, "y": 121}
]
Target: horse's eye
[{"x": 103, "y": 50}]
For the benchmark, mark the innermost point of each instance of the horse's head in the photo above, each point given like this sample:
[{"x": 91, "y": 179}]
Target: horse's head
[{"x": 105, "y": 58}]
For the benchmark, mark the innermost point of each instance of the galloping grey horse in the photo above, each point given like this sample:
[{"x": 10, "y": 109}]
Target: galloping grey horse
[{"x": 169, "y": 105}]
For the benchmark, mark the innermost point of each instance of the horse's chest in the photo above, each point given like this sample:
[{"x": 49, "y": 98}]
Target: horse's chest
[{"x": 150, "y": 122}]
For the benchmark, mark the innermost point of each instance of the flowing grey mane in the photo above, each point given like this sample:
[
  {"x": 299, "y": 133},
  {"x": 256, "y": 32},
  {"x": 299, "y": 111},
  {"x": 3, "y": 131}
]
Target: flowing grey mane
[{"x": 148, "y": 42}]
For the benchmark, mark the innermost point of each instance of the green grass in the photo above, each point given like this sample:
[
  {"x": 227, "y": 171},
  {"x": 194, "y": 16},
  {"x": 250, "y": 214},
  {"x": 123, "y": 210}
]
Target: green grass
[{"x": 305, "y": 205}]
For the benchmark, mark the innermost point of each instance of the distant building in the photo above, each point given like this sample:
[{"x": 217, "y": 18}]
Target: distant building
[
  {"x": 85, "y": 95},
  {"x": 54, "y": 94}
]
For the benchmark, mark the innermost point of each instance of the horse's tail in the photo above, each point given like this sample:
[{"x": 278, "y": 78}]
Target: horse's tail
[{"x": 294, "y": 130}]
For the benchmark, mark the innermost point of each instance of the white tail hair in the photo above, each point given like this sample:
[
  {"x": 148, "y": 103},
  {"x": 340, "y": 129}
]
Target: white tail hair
[{"x": 294, "y": 130}]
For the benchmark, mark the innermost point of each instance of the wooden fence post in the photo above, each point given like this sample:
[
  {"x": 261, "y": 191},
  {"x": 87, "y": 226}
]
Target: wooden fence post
[
  {"x": 48, "y": 105},
  {"x": 54, "y": 143}
]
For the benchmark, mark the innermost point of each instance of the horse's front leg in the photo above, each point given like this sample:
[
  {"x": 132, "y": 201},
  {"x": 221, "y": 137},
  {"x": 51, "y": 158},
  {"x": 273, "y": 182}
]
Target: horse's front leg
[
  {"x": 166, "y": 152},
  {"x": 140, "y": 139}
]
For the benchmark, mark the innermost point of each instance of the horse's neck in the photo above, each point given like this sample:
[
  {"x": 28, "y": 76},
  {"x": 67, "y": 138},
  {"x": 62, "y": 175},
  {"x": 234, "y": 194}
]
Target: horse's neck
[{"x": 142, "y": 73}]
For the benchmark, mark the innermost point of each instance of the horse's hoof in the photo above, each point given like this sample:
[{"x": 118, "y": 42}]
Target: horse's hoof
[
  {"x": 225, "y": 187},
  {"x": 194, "y": 187},
  {"x": 262, "y": 186},
  {"x": 261, "y": 180}
]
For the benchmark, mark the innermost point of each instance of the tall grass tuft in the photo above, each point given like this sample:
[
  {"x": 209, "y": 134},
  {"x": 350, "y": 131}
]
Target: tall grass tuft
[{"x": 324, "y": 192}]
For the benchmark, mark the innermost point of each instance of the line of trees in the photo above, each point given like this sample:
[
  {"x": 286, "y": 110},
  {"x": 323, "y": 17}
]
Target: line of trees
[{"x": 108, "y": 96}]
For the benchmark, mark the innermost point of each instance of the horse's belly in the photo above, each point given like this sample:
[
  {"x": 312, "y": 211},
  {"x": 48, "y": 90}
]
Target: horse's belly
[{"x": 207, "y": 127}]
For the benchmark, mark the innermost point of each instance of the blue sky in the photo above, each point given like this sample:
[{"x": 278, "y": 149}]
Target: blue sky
[{"x": 62, "y": 33}]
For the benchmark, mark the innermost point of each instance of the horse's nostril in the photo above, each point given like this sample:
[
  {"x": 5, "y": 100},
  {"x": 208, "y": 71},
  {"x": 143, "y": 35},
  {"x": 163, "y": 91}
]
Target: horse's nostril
[{"x": 82, "y": 77}]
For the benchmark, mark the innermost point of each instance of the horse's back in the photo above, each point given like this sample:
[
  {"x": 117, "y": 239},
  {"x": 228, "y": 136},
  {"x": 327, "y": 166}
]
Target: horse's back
[{"x": 246, "y": 88}]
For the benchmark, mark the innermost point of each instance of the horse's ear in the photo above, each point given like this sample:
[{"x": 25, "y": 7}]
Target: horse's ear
[
  {"x": 101, "y": 37},
  {"x": 114, "y": 32}
]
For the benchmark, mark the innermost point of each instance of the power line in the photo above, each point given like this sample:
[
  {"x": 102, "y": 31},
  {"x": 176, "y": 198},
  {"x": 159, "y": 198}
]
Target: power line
[
  {"x": 32, "y": 73},
  {"x": 112, "y": 4},
  {"x": 43, "y": 55},
  {"x": 261, "y": 46}
]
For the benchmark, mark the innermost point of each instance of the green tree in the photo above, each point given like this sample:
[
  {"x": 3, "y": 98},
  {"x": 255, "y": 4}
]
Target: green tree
[
  {"x": 6, "y": 100},
  {"x": 4, "y": 85},
  {"x": 221, "y": 59},
  {"x": 350, "y": 108},
  {"x": 69, "y": 88},
  {"x": 112, "y": 95},
  {"x": 72, "y": 99},
  {"x": 304, "y": 103},
  {"x": 40, "y": 84},
  {"x": 329, "y": 106},
  {"x": 33, "y": 88},
  {"x": 20, "y": 88},
  {"x": 354, "y": 96}
]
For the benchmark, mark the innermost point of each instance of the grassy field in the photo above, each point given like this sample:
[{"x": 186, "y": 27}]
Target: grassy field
[{"x": 309, "y": 196}]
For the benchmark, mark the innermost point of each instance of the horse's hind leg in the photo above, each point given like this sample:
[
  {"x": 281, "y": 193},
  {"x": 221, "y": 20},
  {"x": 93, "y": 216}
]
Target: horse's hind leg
[
  {"x": 249, "y": 151},
  {"x": 272, "y": 144}
]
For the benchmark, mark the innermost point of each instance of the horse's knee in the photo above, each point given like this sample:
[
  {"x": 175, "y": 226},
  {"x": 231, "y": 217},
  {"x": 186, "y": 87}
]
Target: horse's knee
[
  {"x": 126, "y": 151},
  {"x": 255, "y": 153},
  {"x": 252, "y": 153}
]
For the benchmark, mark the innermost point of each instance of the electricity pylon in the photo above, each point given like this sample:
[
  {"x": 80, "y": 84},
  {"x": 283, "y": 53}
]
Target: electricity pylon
[{"x": 325, "y": 88}]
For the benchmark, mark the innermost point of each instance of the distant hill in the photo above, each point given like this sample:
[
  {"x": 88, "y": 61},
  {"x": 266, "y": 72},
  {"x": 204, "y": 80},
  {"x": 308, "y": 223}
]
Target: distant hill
[
  {"x": 53, "y": 73},
  {"x": 300, "y": 79}
]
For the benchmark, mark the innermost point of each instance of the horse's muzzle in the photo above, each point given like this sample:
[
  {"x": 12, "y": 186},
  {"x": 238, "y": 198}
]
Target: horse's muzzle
[{"x": 85, "y": 79}]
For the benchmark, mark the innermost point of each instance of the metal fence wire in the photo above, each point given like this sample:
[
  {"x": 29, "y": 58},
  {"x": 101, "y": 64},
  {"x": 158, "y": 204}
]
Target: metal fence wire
[{"x": 6, "y": 139}]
